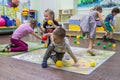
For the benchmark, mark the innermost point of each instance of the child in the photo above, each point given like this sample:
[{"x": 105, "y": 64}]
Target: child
[
  {"x": 17, "y": 44},
  {"x": 49, "y": 15},
  {"x": 59, "y": 46},
  {"x": 108, "y": 22},
  {"x": 88, "y": 25}
]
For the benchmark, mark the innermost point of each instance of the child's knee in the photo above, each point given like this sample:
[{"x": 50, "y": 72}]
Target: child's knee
[{"x": 24, "y": 48}]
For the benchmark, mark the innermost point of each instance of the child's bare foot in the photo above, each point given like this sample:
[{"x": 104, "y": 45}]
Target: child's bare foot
[
  {"x": 93, "y": 45},
  {"x": 91, "y": 52},
  {"x": 77, "y": 64}
]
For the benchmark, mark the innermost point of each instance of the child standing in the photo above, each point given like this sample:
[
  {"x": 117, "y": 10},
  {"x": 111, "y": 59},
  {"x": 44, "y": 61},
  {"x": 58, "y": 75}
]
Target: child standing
[
  {"x": 48, "y": 28},
  {"x": 17, "y": 44},
  {"x": 88, "y": 25},
  {"x": 109, "y": 24},
  {"x": 59, "y": 46}
]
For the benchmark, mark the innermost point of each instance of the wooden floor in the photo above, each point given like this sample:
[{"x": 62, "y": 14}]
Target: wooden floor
[{"x": 13, "y": 69}]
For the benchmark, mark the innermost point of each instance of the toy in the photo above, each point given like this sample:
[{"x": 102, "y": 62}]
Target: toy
[
  {"x": 42, "y": 42},
  {"x": 78, "y": 42},
  {"x": 75, "y": 41},
  {"x": 92, "y": 63},
  {"x": 44, "y": 37},
  {"x": 14, "y": 3},
  {"x": 25, "y": 12},
  {"x": 49, "y": 22},
  {"x": 15, "y": 9},
  {"x": 59, "y": 63},
  {"x": 38, "y": 24},
  {"x": 77, "y": 37},
  {"x": 114, "y": 45},
  {"x": 104, "y": 46},
  {"x": 45, "y": 45},
  {"x": 81, "y": 36},
  {"x": 98, "y": 43},
  {"x": 109, "y": 44},
  {"x": 2, "y": 21}
]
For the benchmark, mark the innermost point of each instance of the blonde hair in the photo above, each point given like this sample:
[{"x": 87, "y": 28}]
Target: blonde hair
[{"x": 50, "y": 12}]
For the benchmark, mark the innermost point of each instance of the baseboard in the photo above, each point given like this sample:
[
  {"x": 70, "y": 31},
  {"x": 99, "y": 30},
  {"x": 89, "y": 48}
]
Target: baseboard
[{"x": 98, "y": 34}]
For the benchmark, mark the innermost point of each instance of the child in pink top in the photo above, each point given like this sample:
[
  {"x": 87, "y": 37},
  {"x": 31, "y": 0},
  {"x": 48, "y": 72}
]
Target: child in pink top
[{"x": 19, "y": 33}]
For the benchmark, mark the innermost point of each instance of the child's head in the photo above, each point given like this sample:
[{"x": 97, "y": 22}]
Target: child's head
[
  {"x": 59, "y": 35},
  {"x": 115, "y": 11},
  {"x": 49, "y": 14},
  {"x": 33, "y": 23},
  {"x": 98, "y": 8}
]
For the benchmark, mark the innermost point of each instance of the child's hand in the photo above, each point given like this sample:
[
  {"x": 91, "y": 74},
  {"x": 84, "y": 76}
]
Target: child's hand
[
  {"x": 47, "y": 34},
  {"x": 44, "y": 64}
]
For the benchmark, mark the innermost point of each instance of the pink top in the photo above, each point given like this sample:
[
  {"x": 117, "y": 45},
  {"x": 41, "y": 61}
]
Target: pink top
[{"x": 22, "y": 31}]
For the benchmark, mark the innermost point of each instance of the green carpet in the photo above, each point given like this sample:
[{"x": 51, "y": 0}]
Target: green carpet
[
  {"x": 31, "y": 46},
  {"x": 81, "y": 53}
]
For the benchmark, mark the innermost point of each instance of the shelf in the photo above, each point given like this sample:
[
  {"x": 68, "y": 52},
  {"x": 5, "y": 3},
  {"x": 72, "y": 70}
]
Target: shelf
[
  {"x": 4, "y": 27},
  {"x": 5, "y": 30},
  {"x": 65, "y": 14}
]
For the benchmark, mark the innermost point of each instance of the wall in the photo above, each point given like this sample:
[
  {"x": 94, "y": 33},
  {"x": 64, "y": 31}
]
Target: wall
[
  {"x": 47, "y": 4},
  {"x": 65, "y": 4},
  {"x": 55, "y": 5}
]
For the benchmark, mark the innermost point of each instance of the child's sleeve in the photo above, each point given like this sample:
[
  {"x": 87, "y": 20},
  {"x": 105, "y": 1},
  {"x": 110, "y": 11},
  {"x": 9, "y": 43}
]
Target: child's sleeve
[
  {"x": 70, "y": 52},
  {"x": 28, "y": 28},
  {"x": 68, "y": 47},
  {"x": 56, "y": 23}
]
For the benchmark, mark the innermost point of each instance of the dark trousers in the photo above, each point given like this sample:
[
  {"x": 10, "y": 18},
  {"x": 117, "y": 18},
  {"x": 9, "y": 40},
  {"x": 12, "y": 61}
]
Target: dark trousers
[
  {"x": 55, "y": 57},
  {"x": 19, "y": 45}
]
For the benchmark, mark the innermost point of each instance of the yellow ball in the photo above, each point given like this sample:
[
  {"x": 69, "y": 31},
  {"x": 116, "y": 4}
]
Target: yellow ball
[
  {"x": 45, "y": 45},
  {"x": 70, "y": 35},
  {"x": 77, "y": 37},
  {"x": 78, "y": 42},
  {"x": 92, "y": 63},
  {"x": 114, "y": 45},
  {"x": 59, "y": 63},
  {"x": 49, "y": 22}
]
